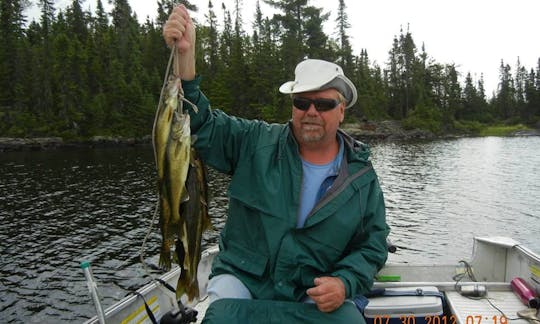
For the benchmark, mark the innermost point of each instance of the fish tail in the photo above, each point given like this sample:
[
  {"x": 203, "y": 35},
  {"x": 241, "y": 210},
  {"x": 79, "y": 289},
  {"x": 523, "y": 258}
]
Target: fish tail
[
  {"x": 165, "y": 255},
  {"x": 188, "y": 285},
  {"x": 192, "y": 289},
  {"x": 181, "y": 286}
]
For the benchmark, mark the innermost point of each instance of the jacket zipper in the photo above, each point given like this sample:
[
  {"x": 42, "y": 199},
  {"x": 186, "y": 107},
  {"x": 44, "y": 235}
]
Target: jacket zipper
[{"x": 339, "y": 190}]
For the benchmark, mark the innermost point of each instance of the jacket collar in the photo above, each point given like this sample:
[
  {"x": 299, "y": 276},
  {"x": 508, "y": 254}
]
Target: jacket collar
[{"x": 354, "y": 149}]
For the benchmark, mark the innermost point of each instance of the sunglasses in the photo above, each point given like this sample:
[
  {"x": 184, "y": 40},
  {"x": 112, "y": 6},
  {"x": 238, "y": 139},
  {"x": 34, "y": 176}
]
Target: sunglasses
[{"x": 321, "y": 104}]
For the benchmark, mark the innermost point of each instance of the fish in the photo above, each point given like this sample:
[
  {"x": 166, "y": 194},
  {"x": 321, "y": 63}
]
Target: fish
[
  {"x": 172, "y": 223},
  {"x": 171, "y": 141},
  {"x": 196, "y": 221},
  {"x": 168, "y": 104},
  {"x": 182, "y": 186}
]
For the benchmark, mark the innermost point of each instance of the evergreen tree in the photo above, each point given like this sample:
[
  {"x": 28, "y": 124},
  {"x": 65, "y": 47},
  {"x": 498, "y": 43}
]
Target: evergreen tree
[
  {"x": 535, "y": 99},
  {"x": 453, "y": 96},
  {"x": 393, "y": 80},
  {"x": 408, "y": 63},
  {"x": 470, "y": 95},
  {"x": 401, "y": 76},
  {"x": 315, "y": 38},
  {"x": 45, "y": 106},
  {"x": 532, "y": 101},
  {"x": 520, "y": 85},
  {"x": 77, "y": 21},
  {"x": 264, "y": 69},
  {"x": 505, "y": 96},
  {"x": 212, "y": 44},
  {"x": 239, "y": 82},
  {"x": 14, "y": 68},
  {"x": 291, "y": 25},
  {"x": 345, "y": 51},
  {"x": 370, "y": 89}
]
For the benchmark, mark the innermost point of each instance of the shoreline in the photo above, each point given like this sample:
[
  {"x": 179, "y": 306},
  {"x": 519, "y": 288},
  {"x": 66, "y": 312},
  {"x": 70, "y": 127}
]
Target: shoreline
[
  {"x": 386, "y": 130},
  {"x": 379, "y": 131},
  {"x": 12, "y": 144}
]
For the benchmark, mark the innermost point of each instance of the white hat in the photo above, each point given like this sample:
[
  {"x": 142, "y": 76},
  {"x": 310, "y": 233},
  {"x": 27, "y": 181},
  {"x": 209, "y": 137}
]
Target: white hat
[{"x": 314, "y": 75}]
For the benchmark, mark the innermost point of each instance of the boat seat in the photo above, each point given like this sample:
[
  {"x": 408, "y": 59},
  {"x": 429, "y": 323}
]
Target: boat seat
[{"x": 478, "y": 311}]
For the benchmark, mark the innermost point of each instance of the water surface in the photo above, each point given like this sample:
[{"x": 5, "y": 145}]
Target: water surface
[{"x": 58, "y": 208}]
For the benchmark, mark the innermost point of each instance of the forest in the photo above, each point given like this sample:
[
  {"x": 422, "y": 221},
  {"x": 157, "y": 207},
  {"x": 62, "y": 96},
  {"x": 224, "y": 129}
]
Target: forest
[{"x": 77, "y": 74}]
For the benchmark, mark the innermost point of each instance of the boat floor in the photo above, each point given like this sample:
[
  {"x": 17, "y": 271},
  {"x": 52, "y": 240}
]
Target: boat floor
[
  {"x": 466, "y": 310},
  {"x": 478, "y": 311}
]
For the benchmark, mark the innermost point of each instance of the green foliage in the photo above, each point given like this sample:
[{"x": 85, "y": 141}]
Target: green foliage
[
  {"x": 468, "y": 127},
  {"x": 425, "y": 117},
  {"x": 78, "y": 74},
  {"x": 502, "y": 130}
]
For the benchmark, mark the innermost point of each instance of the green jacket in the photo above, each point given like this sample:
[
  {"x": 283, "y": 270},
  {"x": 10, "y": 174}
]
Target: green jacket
[{"x": 344, "y": 235}]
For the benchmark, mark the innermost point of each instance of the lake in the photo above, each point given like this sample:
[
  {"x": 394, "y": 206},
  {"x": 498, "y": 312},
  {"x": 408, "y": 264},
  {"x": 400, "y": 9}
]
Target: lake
[{"x": 61, "y": 207}]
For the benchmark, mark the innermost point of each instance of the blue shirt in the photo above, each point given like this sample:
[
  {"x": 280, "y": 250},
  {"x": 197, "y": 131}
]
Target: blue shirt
[{"x": 316, "y": 180}]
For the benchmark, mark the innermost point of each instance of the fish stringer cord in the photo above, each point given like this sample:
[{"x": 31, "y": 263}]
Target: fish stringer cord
[
  {"x": 172, "y": 59},
  {"x": 156, "y": 209}
]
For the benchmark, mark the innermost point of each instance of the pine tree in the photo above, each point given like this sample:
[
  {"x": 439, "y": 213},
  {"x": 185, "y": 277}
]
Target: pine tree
[
  {"x": 505, "y": 96},
  {"x": 345, "y": 49},
  {"x": 45, "y": 106},
  {"x": 14, "y": 69},
  {"x": 76, "y": 21},
  {"x": 239, "y": 82},
  {"x": 401, "y": 75},
  {"x": 453, "y": 92},
  {"x": 264, "y": 70},
  {"x": 291, "y": 25},
  {"x": 535, "y": 102},
  {"x": 532, "y": 95}
]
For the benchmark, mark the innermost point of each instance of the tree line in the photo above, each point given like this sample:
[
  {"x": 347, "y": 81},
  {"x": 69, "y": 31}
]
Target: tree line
[{"x": 78, "y": 74}]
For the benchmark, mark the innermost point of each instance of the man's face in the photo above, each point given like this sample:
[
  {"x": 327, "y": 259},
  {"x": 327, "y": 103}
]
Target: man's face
[{"x": 317, "y": 127}]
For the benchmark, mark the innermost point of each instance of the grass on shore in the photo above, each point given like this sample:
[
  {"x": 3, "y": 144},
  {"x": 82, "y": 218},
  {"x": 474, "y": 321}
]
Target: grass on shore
[
  {"x": 480, "y": 129},
  {"x": 502, "y": 130}
]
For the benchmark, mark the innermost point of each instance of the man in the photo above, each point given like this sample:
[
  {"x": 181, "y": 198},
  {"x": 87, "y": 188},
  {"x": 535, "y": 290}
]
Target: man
[{"x": 306, "y": 221}]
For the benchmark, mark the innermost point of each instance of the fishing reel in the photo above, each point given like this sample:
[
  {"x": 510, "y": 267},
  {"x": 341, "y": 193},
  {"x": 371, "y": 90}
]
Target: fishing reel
[{"x": 182, "y": 316}]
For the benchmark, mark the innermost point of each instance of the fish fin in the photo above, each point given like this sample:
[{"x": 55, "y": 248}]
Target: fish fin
[
  {"x": 181, "y": 285},
  {"x": 179, "y": 253},
  {"x": 165, "y": 256},
  {"x": 185, "y": 196},
  {"x": 192, "y": 290},
  {"x": 188, "y": 286}
]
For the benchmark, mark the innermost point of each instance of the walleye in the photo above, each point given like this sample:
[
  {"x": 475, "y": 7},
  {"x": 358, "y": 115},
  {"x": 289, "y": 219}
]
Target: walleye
[
  {"x": 196, "y": 221},
  {"x": 171, "y": 137},
  {"x": 181, "y": 185}
]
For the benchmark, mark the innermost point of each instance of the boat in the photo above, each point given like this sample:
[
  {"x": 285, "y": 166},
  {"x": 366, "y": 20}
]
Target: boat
[{"x": 480, "y": 290}]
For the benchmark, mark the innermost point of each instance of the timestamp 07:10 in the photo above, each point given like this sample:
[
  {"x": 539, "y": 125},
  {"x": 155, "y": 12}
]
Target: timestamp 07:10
[{"x": 440, "y": 319}]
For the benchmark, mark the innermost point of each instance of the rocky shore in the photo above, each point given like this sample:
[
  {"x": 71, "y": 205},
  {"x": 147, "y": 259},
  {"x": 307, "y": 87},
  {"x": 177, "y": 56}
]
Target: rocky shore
[
  {"x": 387, "y": 130},
  {"x": 364, "y": 131},
  {"x": 367, "y": 131},
  {"x": 45, "y": 143}
]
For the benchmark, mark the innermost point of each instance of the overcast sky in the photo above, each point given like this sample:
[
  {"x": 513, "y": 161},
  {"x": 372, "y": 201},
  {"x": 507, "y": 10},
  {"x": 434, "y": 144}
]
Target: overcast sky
[{"x": 473, "y": 34}]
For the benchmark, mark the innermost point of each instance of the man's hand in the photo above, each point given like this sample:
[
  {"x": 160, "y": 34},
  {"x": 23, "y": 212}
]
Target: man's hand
[
  {"x": 328, "y": 293},
  {"x": 179, "y": 30}
]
